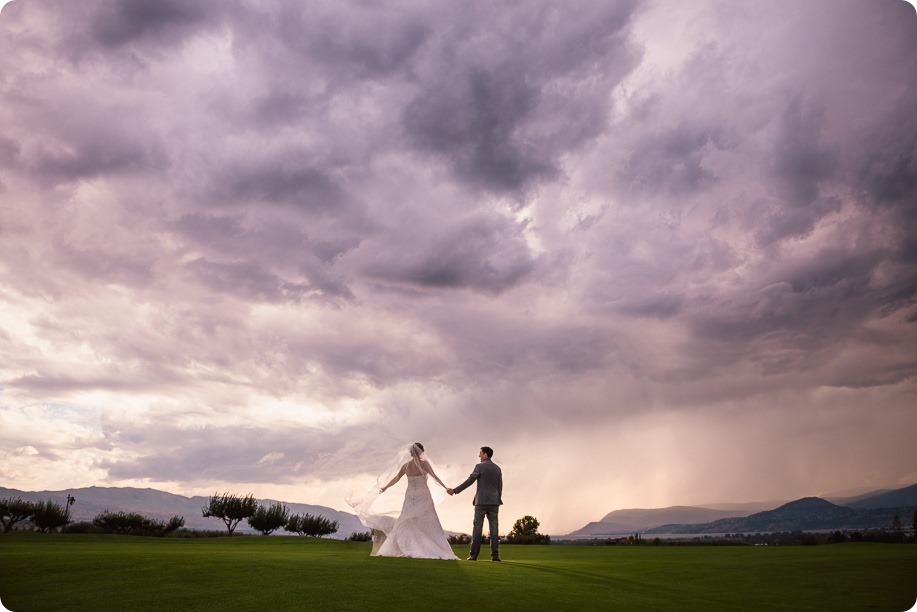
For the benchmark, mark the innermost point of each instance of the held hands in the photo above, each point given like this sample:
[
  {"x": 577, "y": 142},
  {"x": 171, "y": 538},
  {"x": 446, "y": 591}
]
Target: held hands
[{"x": 450, "y": 491}]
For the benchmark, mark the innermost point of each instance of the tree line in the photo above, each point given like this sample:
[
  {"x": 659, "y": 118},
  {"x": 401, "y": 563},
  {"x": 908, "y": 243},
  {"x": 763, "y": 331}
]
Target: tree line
[
  {"x": 49, "y": 516},
  {"x": 233, "y": 509}
]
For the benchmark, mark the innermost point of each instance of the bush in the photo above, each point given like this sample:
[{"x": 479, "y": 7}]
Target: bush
[
  {"x": 131, "y": 523},
  {"x": 83, "y": 527},
  {"x": 198, "y": 533},
  {"x": 537, "y": 538},
  {"x": 361, "y": 536},
  {"x": 464, "y": 538},
  {"x": 307, "y": 524}
]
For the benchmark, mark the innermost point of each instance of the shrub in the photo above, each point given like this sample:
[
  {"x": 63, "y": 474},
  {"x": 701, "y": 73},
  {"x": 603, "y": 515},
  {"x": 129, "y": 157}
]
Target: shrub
[
  {"x": 131, "y": 523},
  {"x": 198, "y": 533},
  {"x": 83, "y": 527},
  {"x": 361, "y": 536},
  {"x": 307, "y": 524}
]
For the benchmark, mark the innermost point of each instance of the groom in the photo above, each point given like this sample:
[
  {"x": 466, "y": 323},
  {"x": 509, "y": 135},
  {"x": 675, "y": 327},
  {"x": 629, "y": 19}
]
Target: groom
[{"x": 487, "y": 501}]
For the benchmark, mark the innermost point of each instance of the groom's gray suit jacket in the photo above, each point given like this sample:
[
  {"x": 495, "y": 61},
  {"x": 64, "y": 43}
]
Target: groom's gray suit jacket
[{"x": 490, "y": 484}]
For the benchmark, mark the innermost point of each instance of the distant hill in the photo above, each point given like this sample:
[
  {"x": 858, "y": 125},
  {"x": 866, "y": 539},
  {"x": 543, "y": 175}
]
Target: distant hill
[
  {"x": 846, "y": 501},
  {"x": 806, "y": 514},
  {"x": 640, "y": 519},
  {"x": 886, "y": 499},
  {"x": 747, "y": 507},
  {"x": 157, "y": 504},
  {"x": 659, "y": 520},
  {"x": 681, "y": 514}
]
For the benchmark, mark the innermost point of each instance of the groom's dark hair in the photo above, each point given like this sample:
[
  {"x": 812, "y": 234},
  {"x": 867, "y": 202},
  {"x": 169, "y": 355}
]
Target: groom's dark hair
[{"x": 488, "y": 451}]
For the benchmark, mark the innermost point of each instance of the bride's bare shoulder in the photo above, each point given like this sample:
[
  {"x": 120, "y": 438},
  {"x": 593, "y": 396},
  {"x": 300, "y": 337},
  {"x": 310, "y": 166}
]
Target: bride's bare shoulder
[{"x": 410, "y": 468}]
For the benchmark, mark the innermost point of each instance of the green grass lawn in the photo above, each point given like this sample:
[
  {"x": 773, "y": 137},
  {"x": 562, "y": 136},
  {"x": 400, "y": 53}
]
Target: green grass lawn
[{"x": 84, "y": 572}]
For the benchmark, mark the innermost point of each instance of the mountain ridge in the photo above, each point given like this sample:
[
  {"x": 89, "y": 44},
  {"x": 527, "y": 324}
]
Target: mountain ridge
[
  {"x": 722, "y": 518},
  {"x": 906, "y": 496},
  {"x": 638, "y": 519},
  {"x": 804, "y": 514}
]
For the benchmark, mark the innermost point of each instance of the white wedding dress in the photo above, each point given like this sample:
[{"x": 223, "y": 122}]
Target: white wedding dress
[{"x": 417, "y": 531}]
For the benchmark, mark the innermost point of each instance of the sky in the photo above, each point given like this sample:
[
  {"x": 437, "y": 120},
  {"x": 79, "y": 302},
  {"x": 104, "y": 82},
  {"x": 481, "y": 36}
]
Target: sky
[{"x": 652, "y": 253}]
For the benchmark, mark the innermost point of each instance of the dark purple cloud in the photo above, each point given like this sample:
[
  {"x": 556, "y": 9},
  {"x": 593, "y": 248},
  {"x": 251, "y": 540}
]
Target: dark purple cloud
[
  {"x": 117, "y": 23},
  {"x": 502, "y": 117},
  {"x": 486, "y": 253}
]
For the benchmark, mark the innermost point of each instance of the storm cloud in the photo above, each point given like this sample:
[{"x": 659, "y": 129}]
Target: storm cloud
[{"x": 259, "y": 245}]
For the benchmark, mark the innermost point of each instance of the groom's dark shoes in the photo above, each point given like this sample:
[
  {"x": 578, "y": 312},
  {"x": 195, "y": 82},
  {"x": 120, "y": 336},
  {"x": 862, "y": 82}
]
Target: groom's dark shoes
[
  {"x": 496, "y": 559},
  {"x": 471, "y": 559}
]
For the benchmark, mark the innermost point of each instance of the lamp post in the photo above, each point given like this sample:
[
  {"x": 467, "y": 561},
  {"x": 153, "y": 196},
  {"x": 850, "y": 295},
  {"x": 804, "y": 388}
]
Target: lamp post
[{"x": 70, "y": 502}]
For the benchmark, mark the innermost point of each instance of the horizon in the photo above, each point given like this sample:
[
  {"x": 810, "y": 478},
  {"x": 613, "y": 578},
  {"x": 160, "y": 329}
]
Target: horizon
[
  {"x": 650, "y": 255},
  {"x": 840, "y": 496}
]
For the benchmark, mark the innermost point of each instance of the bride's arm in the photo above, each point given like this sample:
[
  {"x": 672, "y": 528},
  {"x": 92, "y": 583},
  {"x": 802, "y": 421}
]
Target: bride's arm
[
  {"x": 429, "y": 470},
  {"x": 394, "y": 480}
]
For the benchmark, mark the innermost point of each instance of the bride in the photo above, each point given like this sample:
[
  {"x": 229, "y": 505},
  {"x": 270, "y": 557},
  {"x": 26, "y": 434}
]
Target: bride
[{"x": 416, "y": 530}]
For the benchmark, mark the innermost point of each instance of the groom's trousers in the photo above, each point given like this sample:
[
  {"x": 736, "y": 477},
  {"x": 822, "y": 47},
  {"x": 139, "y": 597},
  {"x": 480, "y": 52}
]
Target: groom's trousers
[{"x": 491, "y": 512}]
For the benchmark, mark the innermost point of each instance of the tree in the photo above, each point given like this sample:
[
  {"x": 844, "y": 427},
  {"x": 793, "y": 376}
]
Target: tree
[
  {"x": 268, "y": 520},
  {"x": 14, "y": 510},
  {"x": 307, "y": 524},
  {"x": 525, "y": 531},
  {"x": 230, "y": 508},
  {"x": 49, "y": 515}
]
